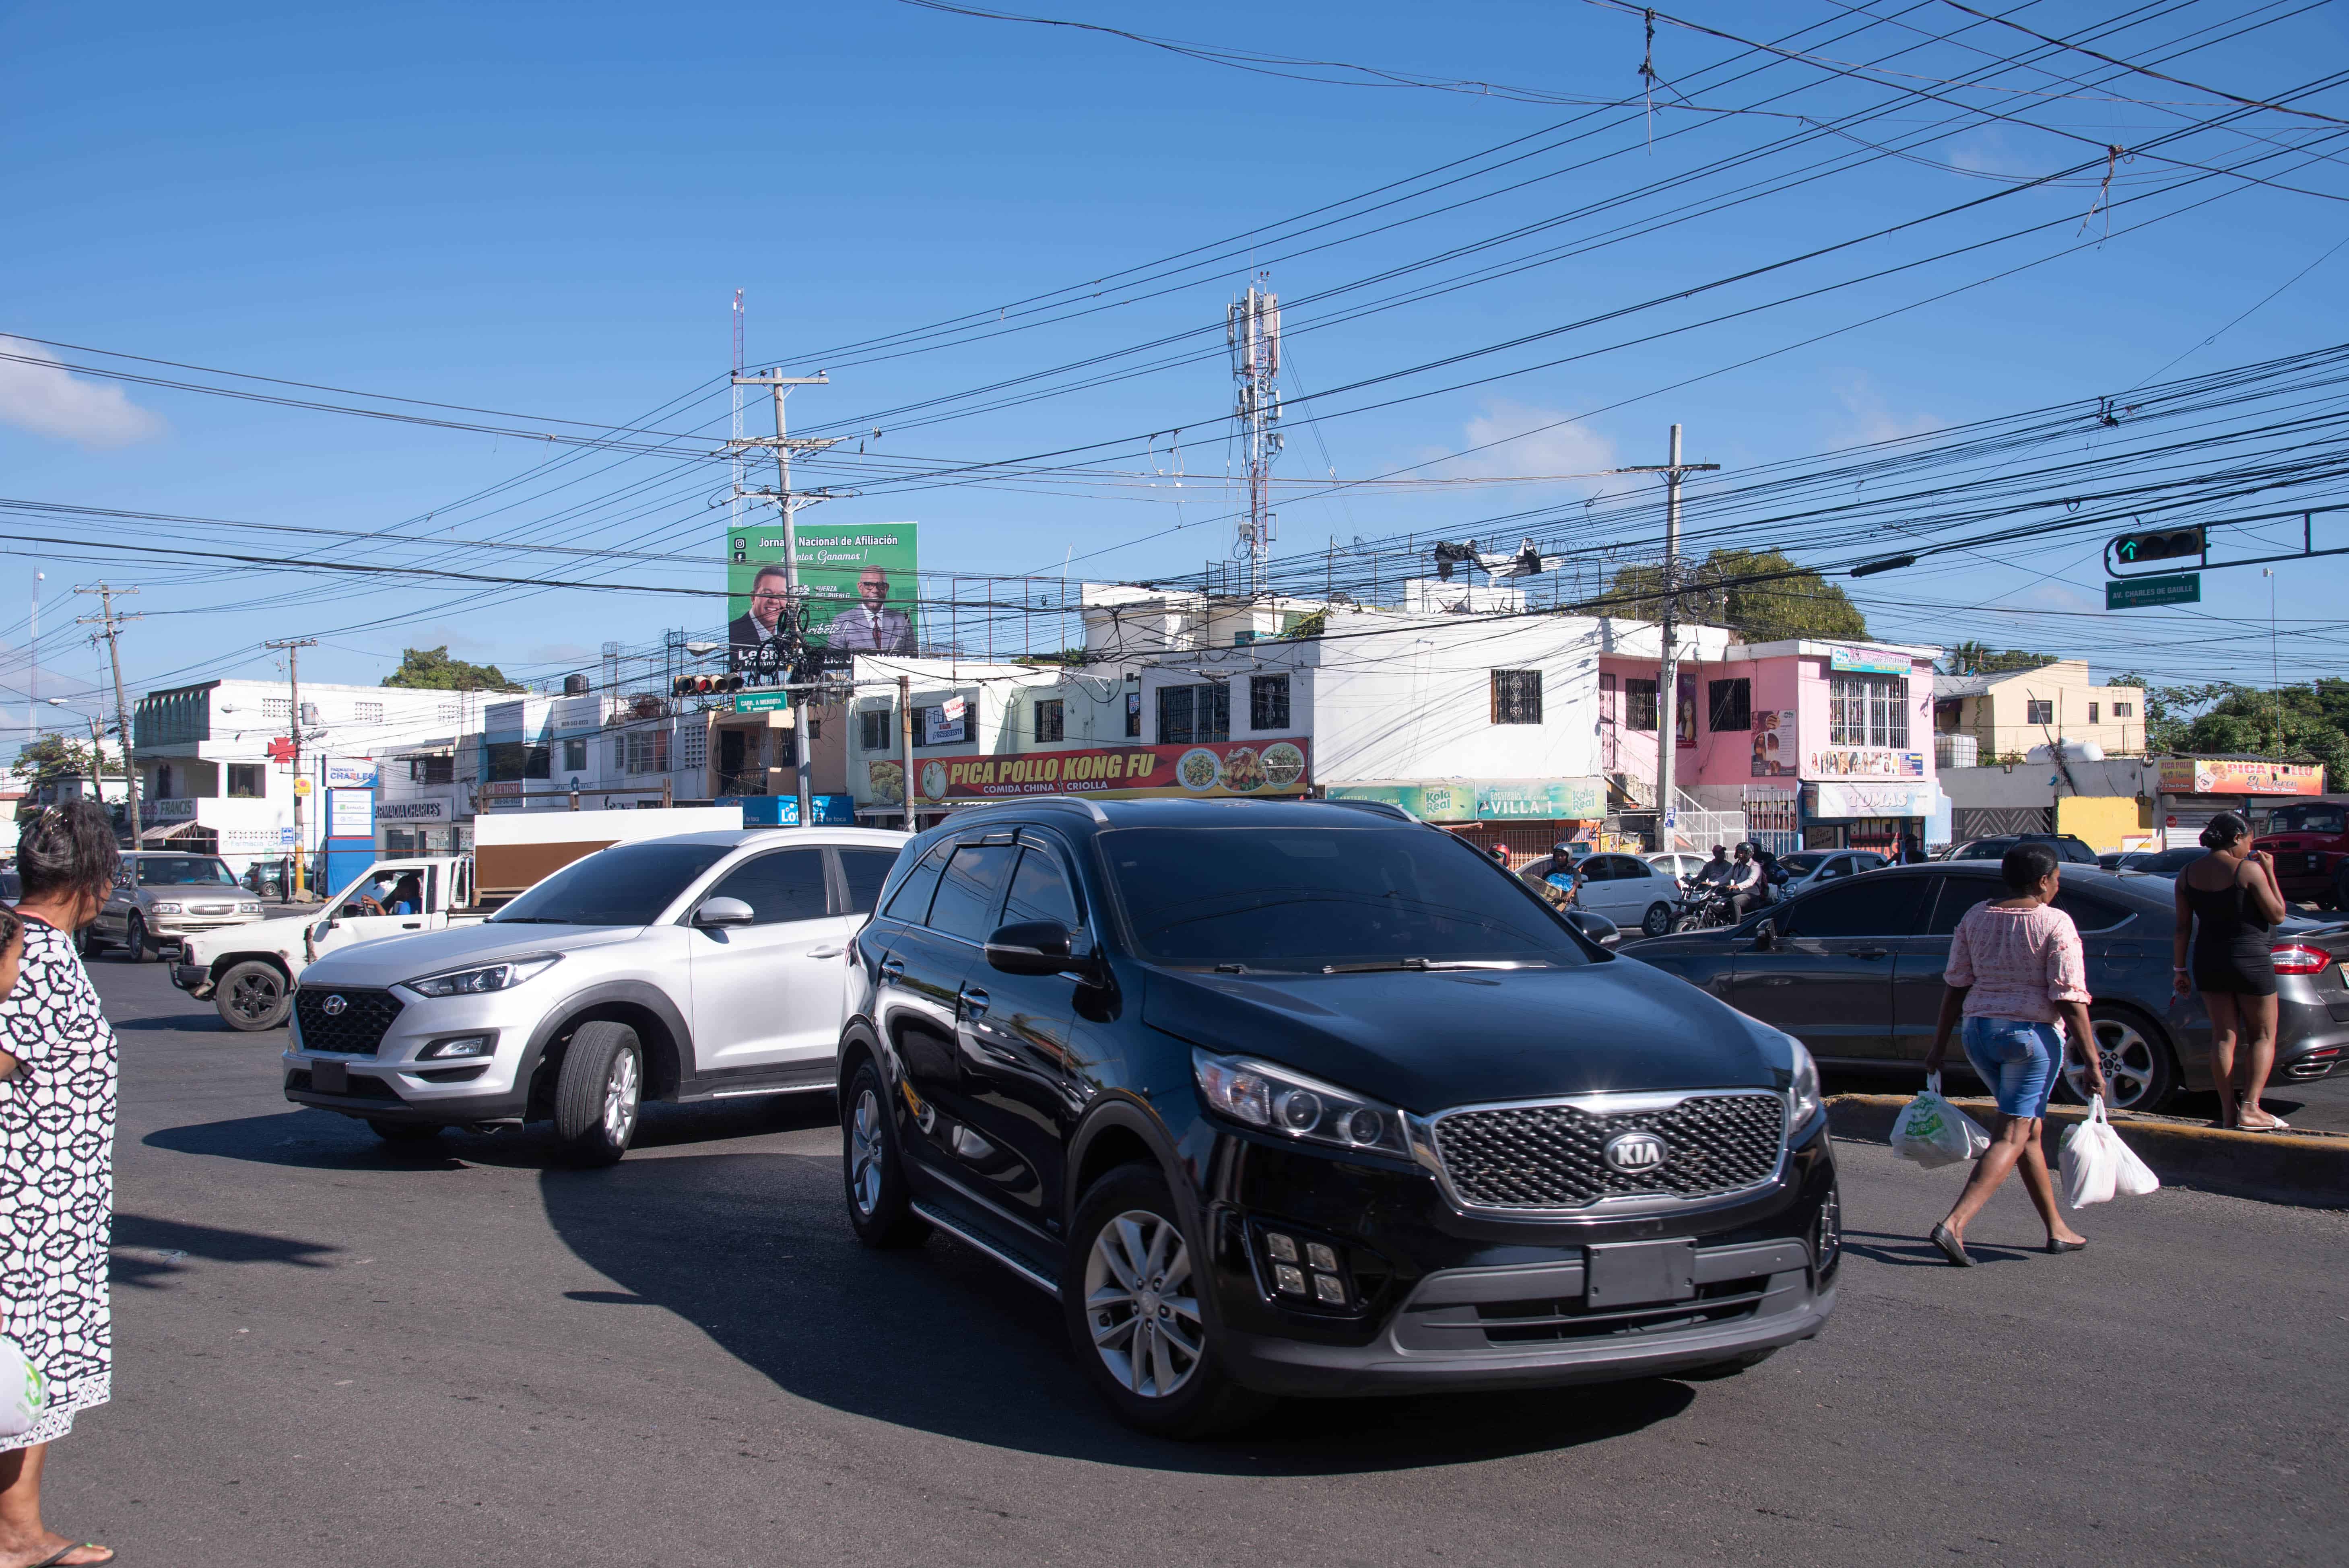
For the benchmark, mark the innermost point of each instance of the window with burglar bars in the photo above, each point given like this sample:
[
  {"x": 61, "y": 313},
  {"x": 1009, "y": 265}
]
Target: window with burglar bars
[
  {"x": 1639, "y": 705},
  {"x": 1516, "y": 697},
  {"x": 1049, "y": 718},
  {"x": 1189, "y": 713},
  {"x": 645, "y": 751},
  {"x": 2124, "y": 710},
  {"x": 1731, "y": 705},
  {"x": 2039, "y": 710},
  {"x": 1868, "y": 710},
  {"x": 432, "y": 770},
  {"x": 872, "y": 730},
  {"x": 1267, "y": 702},
  {"x": 1133, "y": 714}
]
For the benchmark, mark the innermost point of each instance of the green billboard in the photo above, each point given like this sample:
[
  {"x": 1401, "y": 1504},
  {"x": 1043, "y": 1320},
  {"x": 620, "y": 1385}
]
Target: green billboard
[{"x": 858, "y": 584}]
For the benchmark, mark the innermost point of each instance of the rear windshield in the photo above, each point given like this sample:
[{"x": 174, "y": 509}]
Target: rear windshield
[
  {"x": 1300, "y": 898},
  {"x": 2304, "y": 819},
  {"x": 627, "y": 884}
]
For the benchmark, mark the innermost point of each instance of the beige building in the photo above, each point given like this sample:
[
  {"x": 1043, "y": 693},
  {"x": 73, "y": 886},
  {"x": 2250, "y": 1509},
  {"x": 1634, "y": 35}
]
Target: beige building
[{"x": 2009, "y": 713}]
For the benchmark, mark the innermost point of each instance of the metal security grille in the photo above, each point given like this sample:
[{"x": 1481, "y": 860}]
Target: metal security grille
[
  {"x": 1554, "y": 1155},
  {"x": 357, "y": 1031},
  {"x": 1516, "y": 697}
]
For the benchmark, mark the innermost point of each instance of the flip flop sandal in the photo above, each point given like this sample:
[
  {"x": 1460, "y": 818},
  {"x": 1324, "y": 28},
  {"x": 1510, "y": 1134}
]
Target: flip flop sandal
[
  {"x": 2274, "y": 1124},
  {"x": 62, "y": 1552}
]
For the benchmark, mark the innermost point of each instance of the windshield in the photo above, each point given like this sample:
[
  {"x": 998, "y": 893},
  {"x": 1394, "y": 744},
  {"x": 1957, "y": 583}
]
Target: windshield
[
  {"x": 627, "y": 884},
  {"x": 183, "y": 870},
  {"x": 1803, "y": 863},
  {"x": 1300, "y": 899},
  {"x": 2304, "y": 819}
]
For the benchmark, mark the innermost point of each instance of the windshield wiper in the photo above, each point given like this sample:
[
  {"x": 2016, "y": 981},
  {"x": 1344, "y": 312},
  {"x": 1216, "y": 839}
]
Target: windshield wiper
[{"x": 1377, "y": 965}]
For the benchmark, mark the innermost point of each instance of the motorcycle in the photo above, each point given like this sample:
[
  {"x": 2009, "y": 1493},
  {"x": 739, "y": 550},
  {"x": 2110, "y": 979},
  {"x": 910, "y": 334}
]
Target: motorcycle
[{"x": 1702, "y": 905}]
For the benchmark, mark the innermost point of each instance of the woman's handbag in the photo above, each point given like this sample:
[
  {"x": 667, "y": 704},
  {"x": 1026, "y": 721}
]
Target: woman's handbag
[{"x": 23, "y": 1392}]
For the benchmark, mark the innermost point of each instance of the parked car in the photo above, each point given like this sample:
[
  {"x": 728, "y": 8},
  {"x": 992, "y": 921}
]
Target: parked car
[
  {"x": 271, "y": 879},
  {"x": 1808, "y": 869},
  {"x": 1677, "y": 864},
  {"x": 2310, "y": 841},
  {"x": 1627, "y": 890},
  {"x": 695, "y": 967},
  {"x": 2071, "y": 850},
  {"x": 1854, "y": 971},
  {"x": 161, "y": 898},
  {"x": 1308, "y": 1097},
  {"x": 2159, "y": 862}
]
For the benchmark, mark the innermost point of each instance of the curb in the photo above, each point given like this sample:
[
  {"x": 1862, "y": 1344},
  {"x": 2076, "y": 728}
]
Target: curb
[{"x": 2301, "y": 1170}]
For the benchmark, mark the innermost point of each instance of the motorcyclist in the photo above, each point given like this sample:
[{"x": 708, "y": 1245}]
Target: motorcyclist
[
  {"x": 1744, "y": 883},
  {"x": 1716, "y": 870}
]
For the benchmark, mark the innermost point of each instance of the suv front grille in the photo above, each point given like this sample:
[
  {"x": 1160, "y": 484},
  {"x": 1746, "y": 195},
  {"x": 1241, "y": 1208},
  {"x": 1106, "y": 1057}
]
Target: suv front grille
[
  {"x": 1554, "y": 1155},
  {"x": 356, "y": 1030}
]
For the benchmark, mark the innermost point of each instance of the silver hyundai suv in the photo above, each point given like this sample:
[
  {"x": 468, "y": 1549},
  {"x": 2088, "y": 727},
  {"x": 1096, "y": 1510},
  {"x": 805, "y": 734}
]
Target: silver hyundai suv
[{"x": 697, "y": 968}]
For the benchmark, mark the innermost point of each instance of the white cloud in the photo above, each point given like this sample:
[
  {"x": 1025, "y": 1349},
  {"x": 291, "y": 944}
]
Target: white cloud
[
  {"x": 44, "y": 397},
  {"x": 1868, "y": 420},
  {"x": 1513, "y": 440}
]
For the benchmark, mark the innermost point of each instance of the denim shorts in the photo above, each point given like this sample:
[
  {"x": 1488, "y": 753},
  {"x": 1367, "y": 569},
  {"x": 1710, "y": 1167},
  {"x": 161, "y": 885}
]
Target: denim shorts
[{"x": 2020, "y": 1060}]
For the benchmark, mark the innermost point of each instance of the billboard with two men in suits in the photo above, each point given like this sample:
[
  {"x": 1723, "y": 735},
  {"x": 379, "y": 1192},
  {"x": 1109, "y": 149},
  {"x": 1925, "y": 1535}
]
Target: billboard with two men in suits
[{"x": 859, "y": 584}]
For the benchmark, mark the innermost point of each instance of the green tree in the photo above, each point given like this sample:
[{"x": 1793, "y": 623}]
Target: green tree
[
  {"x": 431, "y": 669},
  {"x": 2296, "y": 724},
  {"x": 1972, "y": 658},
  {"x": 53, "y": 758},
  {"x": 1804, "y": 604}
]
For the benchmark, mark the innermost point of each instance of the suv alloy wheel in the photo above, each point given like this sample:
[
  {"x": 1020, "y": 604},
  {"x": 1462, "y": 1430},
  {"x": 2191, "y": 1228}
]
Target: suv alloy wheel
[
  {"x": 599, "y": 1093},
  {"x": 870, "y": 1168},
  {"x": 1135, "y": 1315}
]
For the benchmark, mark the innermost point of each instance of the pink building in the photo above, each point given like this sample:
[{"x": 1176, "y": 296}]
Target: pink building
[{"x": 1820, "y": 745}]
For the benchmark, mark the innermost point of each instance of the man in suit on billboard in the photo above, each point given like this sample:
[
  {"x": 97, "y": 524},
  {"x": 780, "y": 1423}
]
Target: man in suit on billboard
[
  {"x": 866, "y": 626},
  {"x": 762, "y": 623}
]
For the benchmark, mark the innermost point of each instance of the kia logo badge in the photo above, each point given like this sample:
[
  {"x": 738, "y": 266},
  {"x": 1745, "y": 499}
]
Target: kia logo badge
[
  {"x": 333, "y": 1008},
  {"x": 1633, "y": 1152}
]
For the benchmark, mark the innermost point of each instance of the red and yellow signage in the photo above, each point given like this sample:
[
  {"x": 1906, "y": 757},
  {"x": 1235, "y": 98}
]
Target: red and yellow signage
[
  {"x": 1209, "y": 769},
  {"x": 2239, "y": 775}
]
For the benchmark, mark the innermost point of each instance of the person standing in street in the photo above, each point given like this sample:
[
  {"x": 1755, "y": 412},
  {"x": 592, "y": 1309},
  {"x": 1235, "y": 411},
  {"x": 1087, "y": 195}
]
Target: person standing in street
[
  {"x": 2228, "y": 906},
  {"x": 2016, "y": 968},
  {"x": 57, "y": 1165}
]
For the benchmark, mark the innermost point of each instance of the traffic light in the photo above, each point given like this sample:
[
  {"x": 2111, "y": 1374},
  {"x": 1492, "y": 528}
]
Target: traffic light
[{"x": 2157, "y": 544}]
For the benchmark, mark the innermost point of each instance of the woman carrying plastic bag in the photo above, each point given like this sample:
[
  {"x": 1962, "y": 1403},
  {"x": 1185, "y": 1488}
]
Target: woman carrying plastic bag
[
  {"x": 2097, "y": 1163},
  {"x": 1933, "y": 1132},
  {"x": 2016, "y": 968}
]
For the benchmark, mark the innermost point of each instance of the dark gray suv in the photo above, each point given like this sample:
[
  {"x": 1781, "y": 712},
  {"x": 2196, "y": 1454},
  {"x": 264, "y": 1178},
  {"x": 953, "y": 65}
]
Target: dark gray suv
[{"x": 1853, "y": 970}]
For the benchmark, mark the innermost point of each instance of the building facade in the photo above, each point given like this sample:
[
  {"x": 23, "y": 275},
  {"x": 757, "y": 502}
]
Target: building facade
[{"x": 2007, "y": 714}]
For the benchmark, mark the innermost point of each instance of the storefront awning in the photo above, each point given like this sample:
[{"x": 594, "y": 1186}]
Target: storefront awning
[{"x": 161, "y": 832}]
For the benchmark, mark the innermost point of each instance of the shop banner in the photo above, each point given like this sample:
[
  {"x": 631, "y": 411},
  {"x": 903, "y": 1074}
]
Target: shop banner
[
  {"x": 1774, "y": 743},
  {"x": 2239, "y": 775},
  {"x": 350, "y": 814},
  {"x": 1476, "y": 801},
  {"x": 1863, "y": 762},
  {"x": 1837, "y": 801},
  {"x": 350, "y": 773},
  {"x": 412, "y": 812},
  {"x": 1123, "y": 772},
  {"x": 1867, "y": 662}
]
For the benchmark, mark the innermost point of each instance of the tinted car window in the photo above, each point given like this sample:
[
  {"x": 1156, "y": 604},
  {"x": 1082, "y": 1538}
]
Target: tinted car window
[
  {"x": 1801, "y": 863},
  {"x": 785, "y": 885},
  {"x": 1959, "y": 894},
  {"x": 1040, "y": 891},
  {"x": 1869, "y": 907},
  {"x": 1300, "y": 898},
  {"x": 866, "y": 870},
  {"x": 627, "y": 884},
  {"x": 2090, "y": 913},
  {"x": 972, "y": 890},
  {"x": 911, "y": 902}
]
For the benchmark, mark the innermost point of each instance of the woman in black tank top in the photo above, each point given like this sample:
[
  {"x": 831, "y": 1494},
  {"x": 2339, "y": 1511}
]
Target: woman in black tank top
[{"x": 2228, "y": 906}]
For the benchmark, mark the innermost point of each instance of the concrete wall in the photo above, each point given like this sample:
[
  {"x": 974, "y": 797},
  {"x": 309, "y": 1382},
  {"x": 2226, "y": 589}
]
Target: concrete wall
[{"x": 2101, "y": 820}]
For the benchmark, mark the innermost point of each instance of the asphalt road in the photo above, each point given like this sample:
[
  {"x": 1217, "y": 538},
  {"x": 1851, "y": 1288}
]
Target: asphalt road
[{"x": 326, "y": 1353}]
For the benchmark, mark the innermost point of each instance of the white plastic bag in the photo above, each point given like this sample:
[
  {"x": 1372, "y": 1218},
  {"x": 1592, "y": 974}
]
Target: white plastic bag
[
  {"x": 2092, "y": 1159},
  {"x": 2132, "y": 1177},
  {"x": 23, "y": 1391},
  {"x": 1933, "y": 1132}
]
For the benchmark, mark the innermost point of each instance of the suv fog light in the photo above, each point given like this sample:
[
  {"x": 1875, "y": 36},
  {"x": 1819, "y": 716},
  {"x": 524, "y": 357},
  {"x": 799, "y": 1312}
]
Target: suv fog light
[
  {"x": 1328, "y": 1291},
  {"x": 460, "y": 1046},
  {"x": 1321, "y": 1257},
  {"x": 1322, "y": 1278},
  {"x": 1288, "y": 1279},
  {"x": 1282, "y": 1248}
]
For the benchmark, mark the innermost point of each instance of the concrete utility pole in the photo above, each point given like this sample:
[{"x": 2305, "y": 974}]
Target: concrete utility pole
[
  {"x": 788, "y": 502},
  {"x": 113, "y": 623},
  {"x": 905, "y": 741},
  {"x": 1668, "y": 671},
  {"x": 293, "y": 646}
]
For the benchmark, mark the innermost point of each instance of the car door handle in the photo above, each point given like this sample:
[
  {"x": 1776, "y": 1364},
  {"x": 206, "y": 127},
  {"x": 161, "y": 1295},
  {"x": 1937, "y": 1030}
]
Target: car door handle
[
  {"x": 412, "y": 925},
  {"x": 974, "y": 1003},
  {"x": 826, "y": 952},
  {"x": 1871, "y": 952},
  {"x": 893, "y": 969}
]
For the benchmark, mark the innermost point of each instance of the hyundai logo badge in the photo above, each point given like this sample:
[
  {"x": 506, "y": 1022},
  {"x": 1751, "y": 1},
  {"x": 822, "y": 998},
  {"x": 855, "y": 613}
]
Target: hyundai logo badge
[
  {"x": 333, "y": 1006},
  {"x": 1630, "y": 1152}
]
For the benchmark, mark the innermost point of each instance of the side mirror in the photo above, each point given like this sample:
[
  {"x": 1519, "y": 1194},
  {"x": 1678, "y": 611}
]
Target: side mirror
[
  {"x": 1029, "y": 948},
  {"x": 1766, "y": 936},
  {"x": 723, "y": 912}
]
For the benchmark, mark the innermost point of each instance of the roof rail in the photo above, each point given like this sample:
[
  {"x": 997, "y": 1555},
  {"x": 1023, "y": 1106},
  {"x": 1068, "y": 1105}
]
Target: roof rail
[{"x": 1078, "y": 802}]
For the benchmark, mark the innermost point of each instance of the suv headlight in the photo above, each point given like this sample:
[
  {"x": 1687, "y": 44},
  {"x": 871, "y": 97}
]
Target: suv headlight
[
  {"x": 164, "y": 907},
  {"x": 1804, "y": 1100},
  {"x": 1256, "y": 1094},
  {"x": 502, "y": 976}
]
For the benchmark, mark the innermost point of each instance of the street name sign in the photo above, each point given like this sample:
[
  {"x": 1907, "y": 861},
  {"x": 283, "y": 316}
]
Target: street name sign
[
  {"x": 760, "y": 701},
  {"x": 2142, "y": 593}
]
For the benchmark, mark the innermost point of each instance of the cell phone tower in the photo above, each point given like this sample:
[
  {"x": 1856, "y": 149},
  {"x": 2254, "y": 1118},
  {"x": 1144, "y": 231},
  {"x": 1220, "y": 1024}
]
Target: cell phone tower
[
  {"x": 734, "y": 499},
  {"x": 1252, "y": 327}
]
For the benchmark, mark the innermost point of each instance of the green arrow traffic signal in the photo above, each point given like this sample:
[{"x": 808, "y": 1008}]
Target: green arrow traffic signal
[{"x": 2157, "y": 544}]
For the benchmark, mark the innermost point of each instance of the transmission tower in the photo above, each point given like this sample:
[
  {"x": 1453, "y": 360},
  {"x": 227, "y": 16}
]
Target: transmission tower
[{"x": 1252, "y": 327}]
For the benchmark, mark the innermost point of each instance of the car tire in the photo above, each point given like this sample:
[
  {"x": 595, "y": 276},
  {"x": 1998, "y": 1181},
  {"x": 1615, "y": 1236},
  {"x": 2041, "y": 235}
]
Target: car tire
[
  {"x": 1658, "y": 920},
  {"x": 599, "y": 1093},
  {"x": 2140, "y": 1067},
  {"x": 252, "y": 996},
  {"x": 1129, "y": 1217},
  {"x": 136, "y": 946},
  {"x": 1730, "y": 1369},
  {"x": 406, "y": 1134},
  {"x": 872, "y": 1170}
]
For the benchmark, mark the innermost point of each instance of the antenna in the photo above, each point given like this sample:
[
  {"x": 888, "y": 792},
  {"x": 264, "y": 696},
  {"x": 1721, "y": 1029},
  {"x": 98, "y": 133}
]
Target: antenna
[{"x": 1252, "y": 328}]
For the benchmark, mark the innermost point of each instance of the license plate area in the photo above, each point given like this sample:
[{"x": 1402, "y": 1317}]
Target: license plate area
[
  {"x": 1640, "y": 1273},
  {"x": 331, "y": 1077}
]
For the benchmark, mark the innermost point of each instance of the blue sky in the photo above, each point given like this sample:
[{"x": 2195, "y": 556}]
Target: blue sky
[{"x": 546, "y": 210}]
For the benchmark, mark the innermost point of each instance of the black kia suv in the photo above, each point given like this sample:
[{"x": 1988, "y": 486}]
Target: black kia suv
[{"x": 1308, "y": 1097}]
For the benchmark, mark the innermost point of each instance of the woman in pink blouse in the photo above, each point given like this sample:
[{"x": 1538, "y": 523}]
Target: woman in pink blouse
[{"x": 2016, "y": 968}]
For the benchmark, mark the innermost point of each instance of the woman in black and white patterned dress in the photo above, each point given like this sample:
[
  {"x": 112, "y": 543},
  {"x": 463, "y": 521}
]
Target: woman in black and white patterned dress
[{"x": 56, "y": 1164}]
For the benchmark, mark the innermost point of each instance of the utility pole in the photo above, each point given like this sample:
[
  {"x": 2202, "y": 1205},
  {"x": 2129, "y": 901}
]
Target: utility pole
[
  {"x": 33, "y": 670},
  {"x": 293, "y": 647},
  {"x": 905, "y": 742},
  {"x": 1668, "y": 679},
  {"x": 788, "y": 502},
  {"x": 1252, "y": 329},
  {"x": 113, "y": 623},
  {"x": 2275, "y": 661}
]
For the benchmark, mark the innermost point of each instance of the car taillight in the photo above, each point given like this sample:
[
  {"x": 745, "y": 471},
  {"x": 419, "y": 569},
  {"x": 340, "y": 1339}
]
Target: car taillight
[{"x": 2295, "y": 959}]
